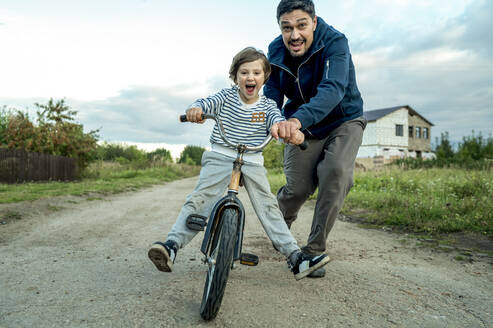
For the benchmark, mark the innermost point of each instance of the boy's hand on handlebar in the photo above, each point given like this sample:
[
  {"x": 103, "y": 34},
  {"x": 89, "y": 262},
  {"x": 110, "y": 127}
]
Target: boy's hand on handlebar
[{"x": 194, "y": 115}]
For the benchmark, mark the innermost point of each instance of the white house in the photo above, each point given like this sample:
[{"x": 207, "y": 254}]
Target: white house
[{"x": 396, "y": 132}]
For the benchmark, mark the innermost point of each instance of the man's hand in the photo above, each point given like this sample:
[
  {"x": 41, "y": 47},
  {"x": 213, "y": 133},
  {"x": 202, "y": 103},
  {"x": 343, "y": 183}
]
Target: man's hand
[
  {"x": 297, "y": 138},
  {"x": 194, "y": 114},
  {"x": 288, "y": 131}
]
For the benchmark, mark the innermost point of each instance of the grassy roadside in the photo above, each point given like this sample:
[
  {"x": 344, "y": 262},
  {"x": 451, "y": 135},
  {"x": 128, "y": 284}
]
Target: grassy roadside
[
  {"x": 100, "y": 178},
  {"x": 425, "y": 200},
  {"x": 433, "y": 201}
]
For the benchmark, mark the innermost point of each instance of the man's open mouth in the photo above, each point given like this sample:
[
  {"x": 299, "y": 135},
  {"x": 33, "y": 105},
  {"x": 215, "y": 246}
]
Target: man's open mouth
[{"x": 296, "y": 45}]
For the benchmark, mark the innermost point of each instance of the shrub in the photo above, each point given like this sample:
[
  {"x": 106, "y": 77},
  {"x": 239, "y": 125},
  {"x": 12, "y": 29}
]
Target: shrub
[
  {"x": 55, "y": 133},
  {"x": 160, "y": 154},
  {"x": 474, "y": 152},
  {"x": 191, "y": 155},
  {"x": 112, "y": 151},
  {"x": 475, "y": 147},
  {"x": 274, "y": 155},
  {"x": 4, "y": 121}
]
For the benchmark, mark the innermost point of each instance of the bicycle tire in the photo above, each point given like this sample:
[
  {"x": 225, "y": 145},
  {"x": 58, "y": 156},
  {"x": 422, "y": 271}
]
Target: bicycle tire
[{"x": 217, "y": 275}]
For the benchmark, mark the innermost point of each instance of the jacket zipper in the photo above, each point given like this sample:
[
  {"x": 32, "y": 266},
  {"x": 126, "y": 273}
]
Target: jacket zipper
[{"x": 297, "y": 80}]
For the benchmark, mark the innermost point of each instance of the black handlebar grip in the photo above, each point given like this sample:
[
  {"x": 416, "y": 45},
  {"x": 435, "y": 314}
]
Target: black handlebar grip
[
  {"x": 303, "y": 145},
  {"x": 183, "y": 118}
]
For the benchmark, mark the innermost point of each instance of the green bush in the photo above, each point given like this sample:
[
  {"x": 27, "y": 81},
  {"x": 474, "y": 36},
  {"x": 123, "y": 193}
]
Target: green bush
[
  {"x": 274, "y": 155},
  {"x": 116, "y": 151},
  {"x": 474, "y": 152},
  {"x": 475, "y": 148},
  {"x": 443, "y": 150},
  {"x": 191, "y": 155},
  {"x": 55, "y": 132},
  {"x": 160, "y": 154},
  {"x": 4, "y": 121}
]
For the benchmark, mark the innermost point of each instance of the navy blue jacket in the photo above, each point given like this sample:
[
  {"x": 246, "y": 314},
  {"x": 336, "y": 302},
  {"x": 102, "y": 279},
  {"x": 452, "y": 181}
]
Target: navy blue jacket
[{"x": 325, "y": 93}]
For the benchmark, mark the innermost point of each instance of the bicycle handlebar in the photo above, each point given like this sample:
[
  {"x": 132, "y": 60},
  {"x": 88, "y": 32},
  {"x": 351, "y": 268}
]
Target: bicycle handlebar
[{"x": 183, "y": 118}]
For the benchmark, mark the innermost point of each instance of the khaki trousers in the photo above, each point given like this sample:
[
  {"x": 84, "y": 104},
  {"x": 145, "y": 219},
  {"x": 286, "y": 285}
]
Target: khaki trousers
[{"x": 328, "y": 165}]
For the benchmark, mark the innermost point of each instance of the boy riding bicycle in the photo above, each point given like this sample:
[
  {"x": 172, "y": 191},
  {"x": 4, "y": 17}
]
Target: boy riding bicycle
[{"x": 247, "y": 117}]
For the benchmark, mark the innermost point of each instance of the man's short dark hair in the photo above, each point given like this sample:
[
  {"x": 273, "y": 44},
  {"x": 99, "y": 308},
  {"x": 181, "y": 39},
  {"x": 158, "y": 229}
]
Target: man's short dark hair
[
  {"x": 287, "y": 6},
  {"x": 247, "y": 55}
]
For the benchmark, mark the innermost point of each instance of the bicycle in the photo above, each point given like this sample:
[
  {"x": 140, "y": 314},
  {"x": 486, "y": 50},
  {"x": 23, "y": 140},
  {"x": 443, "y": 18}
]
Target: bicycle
[{"x": 223, "y": 238}]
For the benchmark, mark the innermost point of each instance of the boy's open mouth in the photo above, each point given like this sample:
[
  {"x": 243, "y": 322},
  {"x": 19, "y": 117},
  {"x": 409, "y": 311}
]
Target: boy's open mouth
[{"x": 250, "y": 88}]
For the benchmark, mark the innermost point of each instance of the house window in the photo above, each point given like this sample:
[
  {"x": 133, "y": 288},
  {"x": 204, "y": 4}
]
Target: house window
[
  {"x": 426, "y": 133},
  {"x": 411, "y": 131},
  {"x": 399, "y": 130},
  {"x": 418, "y": 132}
]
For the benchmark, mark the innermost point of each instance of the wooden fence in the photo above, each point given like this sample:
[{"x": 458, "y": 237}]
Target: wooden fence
[{"x": 20, "y": 166}]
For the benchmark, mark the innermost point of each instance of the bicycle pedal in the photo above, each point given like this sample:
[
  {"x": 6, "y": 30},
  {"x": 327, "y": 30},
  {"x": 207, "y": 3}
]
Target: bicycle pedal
[
  {"x": 196, "y": 222},
  {"x": 248, "y": 259}
]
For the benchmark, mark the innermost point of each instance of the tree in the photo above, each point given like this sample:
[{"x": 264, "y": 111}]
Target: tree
[
  {"x": 4, "y": 121},
  {"x": 191, "y": 155},
  {"x": 160, "y": 154},
  {"x": 444, "y": 149},
  {"x": 56, "y": 133},
  {"x": 20, "y": 132},
  {"x": 111, "y": 151},
  {"x": 475, "y": 147},
  {"x": 60, "y": 135}
]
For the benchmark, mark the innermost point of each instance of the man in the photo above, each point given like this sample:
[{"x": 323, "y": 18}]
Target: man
[{"x": 313, "y": 69}]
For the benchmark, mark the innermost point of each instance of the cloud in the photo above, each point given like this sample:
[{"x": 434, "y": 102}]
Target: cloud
[
  {"x": 435, "y": 56},
  {"x": 140, "y": 114},
  {"x": 445, "y": 74},
  {"x": 477, "y": 28},
  {"x": 148, "y": 114},
  {"x": 469, "y": 31}
]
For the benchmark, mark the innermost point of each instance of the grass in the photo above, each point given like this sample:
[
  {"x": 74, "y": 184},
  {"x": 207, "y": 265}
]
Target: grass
[
  {"x": 99, "y": 178},
  {"x": 423, "y": 200}
]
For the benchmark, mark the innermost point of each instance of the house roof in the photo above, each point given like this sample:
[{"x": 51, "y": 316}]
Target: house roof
[{"x": 376, "y": 114}]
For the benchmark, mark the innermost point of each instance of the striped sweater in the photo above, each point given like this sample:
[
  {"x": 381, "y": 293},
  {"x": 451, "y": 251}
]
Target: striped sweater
[{"x": 243, "y": 123}]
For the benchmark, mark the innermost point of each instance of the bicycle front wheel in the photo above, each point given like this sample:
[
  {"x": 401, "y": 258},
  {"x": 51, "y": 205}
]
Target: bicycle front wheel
[{"x": 221, "y": 260}]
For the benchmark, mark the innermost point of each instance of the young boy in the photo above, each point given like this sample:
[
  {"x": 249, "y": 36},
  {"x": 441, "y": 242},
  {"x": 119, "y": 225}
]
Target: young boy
[{"x": 247, "y": 117}]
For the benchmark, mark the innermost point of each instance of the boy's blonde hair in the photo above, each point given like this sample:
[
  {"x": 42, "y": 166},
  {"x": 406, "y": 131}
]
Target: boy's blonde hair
[{"x": 247, "y": 55}]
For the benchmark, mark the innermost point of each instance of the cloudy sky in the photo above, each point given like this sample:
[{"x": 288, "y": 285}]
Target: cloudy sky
[{"x": 130, "y": 67}]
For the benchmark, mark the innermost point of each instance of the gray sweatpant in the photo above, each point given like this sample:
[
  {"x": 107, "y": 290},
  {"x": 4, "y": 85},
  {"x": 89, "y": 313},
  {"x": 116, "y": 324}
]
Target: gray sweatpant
[
  {"x": 327, "y": 164},
  {"x": 214, "y": 180}
]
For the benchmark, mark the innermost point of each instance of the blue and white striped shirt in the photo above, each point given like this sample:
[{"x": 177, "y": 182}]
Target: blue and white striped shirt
[{"x": 243, "y": 123}]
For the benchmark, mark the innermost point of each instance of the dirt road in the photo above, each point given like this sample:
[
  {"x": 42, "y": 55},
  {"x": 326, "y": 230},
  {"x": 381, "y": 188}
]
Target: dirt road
[{"x": 73, "y": 262}]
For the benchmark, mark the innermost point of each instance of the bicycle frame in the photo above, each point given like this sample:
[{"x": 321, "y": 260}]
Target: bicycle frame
[
  {"x": 223, "y": 238},
  {"x": 231, "y": 199}
]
